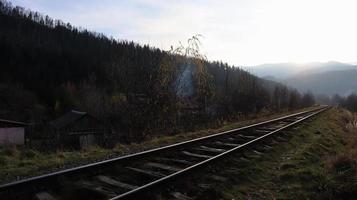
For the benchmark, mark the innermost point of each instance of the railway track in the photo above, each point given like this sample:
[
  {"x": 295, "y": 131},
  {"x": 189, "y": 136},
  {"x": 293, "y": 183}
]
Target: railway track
[{"x": 127, "y": 177}]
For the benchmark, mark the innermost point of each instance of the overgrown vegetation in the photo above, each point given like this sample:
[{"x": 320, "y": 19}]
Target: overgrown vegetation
[{"x": 136, "y": 89}]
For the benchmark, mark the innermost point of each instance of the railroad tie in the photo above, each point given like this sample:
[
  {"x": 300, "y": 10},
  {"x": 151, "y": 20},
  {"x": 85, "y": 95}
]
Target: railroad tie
[
  {"x": 147, "y": 172},
  {"x": 257, "y": 152},
  {"x": 280, "y": 139},
  {"x": 163, "y": 167},
  {"x": 244, "y": 159},
  {"x": 180, "y": 196},
  {"x": 268, "y": 128},
  {"x": 247, "y": 136},
  {"x": 267, "y": 147},
  {"x": 261, "y": 131},
  {"x": 210, "y": 149},
  {"x": 289, "y": 120},
  {"x": 179, "y": 161},
  {"x": 281, "y": 125},
  {"x": 116, "y": 183},
  {"x": 227, "y": 144},
  {"x": 218, "y": 178},
  {"x": 195, "y": 155},
  {"x": 96, "y": 188},
  {"x": 231, "y": 138},
  {"x": 44, "y": 196},
  {"x": 274, "y": 142},
  {"x": 213, "y": 148}
]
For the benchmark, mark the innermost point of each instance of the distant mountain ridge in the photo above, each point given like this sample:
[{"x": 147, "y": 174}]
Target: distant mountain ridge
[
  {"x": 277, "y": 70},
  {"x": 328, "y": 67},
  {"x": 343, "y": 82},
  {"x": 286, "y": 70},
  {"x": 327, "y": 78}
]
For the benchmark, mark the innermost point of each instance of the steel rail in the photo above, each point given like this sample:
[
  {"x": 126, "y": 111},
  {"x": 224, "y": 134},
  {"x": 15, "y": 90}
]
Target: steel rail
[
  {"x": 44, "y": 177},
  {"x": 200, "y": 164}
]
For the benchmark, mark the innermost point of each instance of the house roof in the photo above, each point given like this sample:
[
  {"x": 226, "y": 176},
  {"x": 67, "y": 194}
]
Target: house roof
[
  {"x": 68, "y": 119},
  {"x": 15, "y": 123}
]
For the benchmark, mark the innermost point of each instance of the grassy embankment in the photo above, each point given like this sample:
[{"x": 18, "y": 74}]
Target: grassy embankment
[
  {"x": 318, "y": 161},
  {"x": 19, "y": 162}
]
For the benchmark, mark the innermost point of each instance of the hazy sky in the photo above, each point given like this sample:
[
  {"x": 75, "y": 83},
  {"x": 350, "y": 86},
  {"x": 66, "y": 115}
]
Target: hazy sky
[{"x": 240, "y": 32}]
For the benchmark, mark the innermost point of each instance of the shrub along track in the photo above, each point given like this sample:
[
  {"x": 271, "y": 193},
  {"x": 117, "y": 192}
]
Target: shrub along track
[{"x": 131, "y": 176}]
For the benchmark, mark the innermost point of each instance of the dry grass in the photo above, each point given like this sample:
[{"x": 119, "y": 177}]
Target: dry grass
[
  {"x": 342, "y": 167},
  {"x": 348, "y": 155}
]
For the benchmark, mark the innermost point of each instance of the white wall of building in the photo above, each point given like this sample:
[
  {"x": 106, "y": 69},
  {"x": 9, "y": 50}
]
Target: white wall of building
[{"x": 13, "y": 135}]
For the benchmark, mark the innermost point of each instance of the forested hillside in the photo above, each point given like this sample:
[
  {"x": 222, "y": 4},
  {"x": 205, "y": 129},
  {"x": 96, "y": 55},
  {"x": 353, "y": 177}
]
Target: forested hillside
[{"x": 49, "y": 67}]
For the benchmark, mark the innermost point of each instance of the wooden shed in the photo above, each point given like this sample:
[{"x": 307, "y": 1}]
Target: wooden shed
[
  {"x": 78, "y": 130},
  {"x": 12, "y": 132}
]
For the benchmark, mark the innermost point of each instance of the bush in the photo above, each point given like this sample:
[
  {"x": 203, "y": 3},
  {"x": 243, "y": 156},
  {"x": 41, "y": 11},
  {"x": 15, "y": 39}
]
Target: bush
[
  {"x": 28, "y": 153},
  {"x": 10, "y": 151}
]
